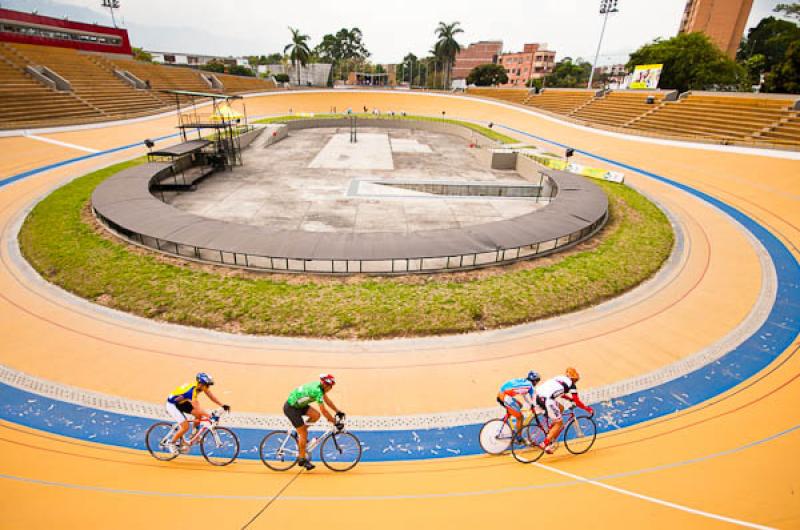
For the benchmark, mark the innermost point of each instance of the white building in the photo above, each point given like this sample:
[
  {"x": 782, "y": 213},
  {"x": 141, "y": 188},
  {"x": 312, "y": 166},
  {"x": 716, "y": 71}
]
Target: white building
[{"x": 316, "y": 74}]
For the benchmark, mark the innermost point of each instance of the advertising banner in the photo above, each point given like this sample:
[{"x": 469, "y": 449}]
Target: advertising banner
[{"x": 646, "y": 76}]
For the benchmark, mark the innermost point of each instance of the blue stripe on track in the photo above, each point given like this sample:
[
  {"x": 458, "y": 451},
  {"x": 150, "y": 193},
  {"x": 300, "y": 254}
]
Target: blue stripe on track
[
  {"x": 42, "y": 169},
  {"x": 759, "y": 350}
]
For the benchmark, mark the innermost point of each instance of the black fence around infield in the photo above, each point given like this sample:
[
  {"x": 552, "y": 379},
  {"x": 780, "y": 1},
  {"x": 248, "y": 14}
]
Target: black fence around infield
[{"x": 127, "y": 204}]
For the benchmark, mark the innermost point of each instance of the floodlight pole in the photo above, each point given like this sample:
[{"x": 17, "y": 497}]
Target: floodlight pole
[{"x": 606, "y": 7}]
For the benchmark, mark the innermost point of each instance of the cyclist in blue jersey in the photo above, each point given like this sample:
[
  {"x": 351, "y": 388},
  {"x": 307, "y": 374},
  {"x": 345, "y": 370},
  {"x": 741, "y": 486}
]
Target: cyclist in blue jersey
[
  {"x": 184, "y": 400},
  {"x": 516, "y": 393}
]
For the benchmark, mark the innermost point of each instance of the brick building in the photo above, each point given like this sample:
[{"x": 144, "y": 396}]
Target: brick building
[
  {"x": 476, "y": 54},
  {"x": 722, "y": 20},
  {"x": 533, "y": 62}
]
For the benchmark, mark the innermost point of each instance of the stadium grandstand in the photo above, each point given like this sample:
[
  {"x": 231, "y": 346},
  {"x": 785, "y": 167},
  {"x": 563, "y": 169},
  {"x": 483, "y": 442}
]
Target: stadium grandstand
[
  {"x": 741, "y": 118},
  {"x": 60, "y": 72}
]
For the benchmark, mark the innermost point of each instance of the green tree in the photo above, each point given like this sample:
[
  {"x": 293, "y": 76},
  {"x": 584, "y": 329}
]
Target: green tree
[
  {"x": 241, "y": 70},
  {"x": 785, "y": 77},
  {"x": 141, "y": 55},
  {"x": 771, "y": 39},
  {"x": 214, "y": 66},
  {"x": 755, "y": 66},
  {"x": 344, "y": 48},
  {"x": 569, "y": 74},
  {"x": 488, "y": 75},
  {"x": 447, "y": 47},
  {"x": 298, "y": 50},
  {"x": 691, "y": 62},
  {"x": 789, "y": 10},
  {"x": 410, "y": 65}
]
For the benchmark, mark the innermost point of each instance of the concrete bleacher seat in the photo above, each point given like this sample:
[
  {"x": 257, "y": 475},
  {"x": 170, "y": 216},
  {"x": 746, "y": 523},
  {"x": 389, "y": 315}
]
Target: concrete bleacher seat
[
  {"x": 561, "y": 101},
  {"x": 512, "y": 95},
  {"x": 92, "y": 81},
  {"x": 619, "y": 107},
  {"x": 715, "y": 116},
  {"x": 164, "y": 78},
  {"x": 786, "y": 132},
  {"x": 25, "y": 102},
  {"x": 237, "y": 84}
]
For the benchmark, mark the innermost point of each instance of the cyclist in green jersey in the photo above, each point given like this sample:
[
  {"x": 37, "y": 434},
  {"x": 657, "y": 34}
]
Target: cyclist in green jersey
[{"x": 299, "y": 405}]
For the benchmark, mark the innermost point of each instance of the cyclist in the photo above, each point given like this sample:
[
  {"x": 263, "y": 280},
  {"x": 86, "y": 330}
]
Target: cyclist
[
  {"x": 561, "y": 386},
  {"x": 184, "y": 400},
  {"x": 515, "y": 393},
  {"x": 299, "y": 404}
]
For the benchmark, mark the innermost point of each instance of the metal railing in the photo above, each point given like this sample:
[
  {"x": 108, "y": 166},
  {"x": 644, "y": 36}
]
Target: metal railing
[{"x": 405, "y": 265}]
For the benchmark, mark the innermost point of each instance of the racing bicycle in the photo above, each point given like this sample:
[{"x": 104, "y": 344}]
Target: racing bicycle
[
  {"x": 218, "y": 445},
  {"x": 495, "y": 436},
  {"x": 578, "y": 435},
  {"x": 339, "y": 450}
]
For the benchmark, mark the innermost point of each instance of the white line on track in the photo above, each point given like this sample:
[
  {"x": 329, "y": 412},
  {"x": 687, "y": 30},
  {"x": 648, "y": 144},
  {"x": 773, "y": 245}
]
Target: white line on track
[
  {"x": 62, "y": 144},
  {"x": 652, "y": 499}
]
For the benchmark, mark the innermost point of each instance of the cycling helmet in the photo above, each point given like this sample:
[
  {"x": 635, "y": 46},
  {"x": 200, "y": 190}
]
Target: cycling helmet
[
  {"x": 572, "y": 373},
  {"x": 204, "y": 379},
  {"x": 327, "y": 379},
  {"x": 533, "y": 377}
]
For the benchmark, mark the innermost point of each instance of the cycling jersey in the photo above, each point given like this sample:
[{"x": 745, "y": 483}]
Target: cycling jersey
[
  {"x": 302, "y": 396},
  {"x": 518, "y": 387},
  {"x": 183, "y": 393},
  {"x": 552, "y": 389},
  {"x": 556, "y": 387}
]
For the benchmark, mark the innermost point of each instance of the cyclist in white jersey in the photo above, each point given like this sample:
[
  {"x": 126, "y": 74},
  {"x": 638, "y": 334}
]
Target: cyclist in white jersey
[{"x": 547, "y": 393}]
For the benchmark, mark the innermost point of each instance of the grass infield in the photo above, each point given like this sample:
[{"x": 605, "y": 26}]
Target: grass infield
[{"x": 66, "y": 246}]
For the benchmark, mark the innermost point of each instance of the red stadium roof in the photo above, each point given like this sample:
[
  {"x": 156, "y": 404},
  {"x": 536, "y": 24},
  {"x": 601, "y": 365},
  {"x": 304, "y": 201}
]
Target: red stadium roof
[{"x": 27, "y": 28}]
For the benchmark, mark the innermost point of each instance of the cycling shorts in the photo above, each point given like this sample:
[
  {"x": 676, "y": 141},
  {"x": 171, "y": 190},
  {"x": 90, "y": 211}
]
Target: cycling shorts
[
  {"x": 512, "y": 405},
  {"x": 553, "y": 409},
  {"x": 295, "y": 415},
  {"x": 179, "y": 411}
]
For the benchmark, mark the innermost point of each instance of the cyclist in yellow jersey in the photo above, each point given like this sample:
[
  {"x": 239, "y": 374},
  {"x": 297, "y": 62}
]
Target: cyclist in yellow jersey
[{"x": 184, "y": 400}]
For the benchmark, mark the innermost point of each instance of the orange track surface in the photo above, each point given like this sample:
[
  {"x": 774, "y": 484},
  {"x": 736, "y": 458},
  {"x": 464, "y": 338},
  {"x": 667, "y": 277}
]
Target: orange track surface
[{"x": 701, "y": 459}]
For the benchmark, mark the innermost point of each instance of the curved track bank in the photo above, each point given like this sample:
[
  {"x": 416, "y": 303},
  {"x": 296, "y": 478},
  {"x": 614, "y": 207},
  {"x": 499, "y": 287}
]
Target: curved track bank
[{"x": 694, "y": 376}]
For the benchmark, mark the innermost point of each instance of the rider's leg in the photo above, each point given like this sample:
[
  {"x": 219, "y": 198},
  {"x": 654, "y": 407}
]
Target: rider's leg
[
  {"x": 302, "y": 439},
  {"x": 555, "y": 430},
  {"x": 554, "y": 413},
  {"x": 515, "y": 420},
  {"x": 295, "y": 416},
  {"x": 184, "y": 426},
  {"x": 313, "y": 415},
  {"x": 178, "y": 414}
]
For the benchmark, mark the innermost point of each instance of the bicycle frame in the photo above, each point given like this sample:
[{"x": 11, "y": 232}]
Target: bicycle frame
[
  {"x": 205, "y": 425},
  {"x": 310, "y": 446},
  {"x": 568, "y": 416}
]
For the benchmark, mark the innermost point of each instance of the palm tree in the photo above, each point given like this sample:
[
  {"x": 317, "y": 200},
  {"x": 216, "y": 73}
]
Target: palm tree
[
  {"x": 300, "y": 51},
  {"x": 447, "y": 47}
]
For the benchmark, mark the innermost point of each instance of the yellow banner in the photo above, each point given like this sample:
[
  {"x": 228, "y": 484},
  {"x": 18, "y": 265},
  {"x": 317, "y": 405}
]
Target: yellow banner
[{"x": 646, "y": 76}]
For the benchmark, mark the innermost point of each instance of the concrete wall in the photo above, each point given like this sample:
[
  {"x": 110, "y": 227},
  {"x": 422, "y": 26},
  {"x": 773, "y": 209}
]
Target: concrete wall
[{"x": 431, "y": 126}]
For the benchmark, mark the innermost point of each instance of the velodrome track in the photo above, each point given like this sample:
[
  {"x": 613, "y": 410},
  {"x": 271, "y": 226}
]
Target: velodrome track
[{"x": 720, "y": 450}]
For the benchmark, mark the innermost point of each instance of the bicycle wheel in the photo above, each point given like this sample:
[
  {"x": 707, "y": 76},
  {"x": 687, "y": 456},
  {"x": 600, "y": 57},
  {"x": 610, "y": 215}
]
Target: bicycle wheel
[
  {"x": 495, "y": 436},
  {"x": 340, "y": 451},
  {"x": 278, "y": 450},
  {"x": 526, "y": 450},
  {"x": 580, "y": 434},
  {"x": 155, "y": 439},
  {"x": 220, "y": 448}
]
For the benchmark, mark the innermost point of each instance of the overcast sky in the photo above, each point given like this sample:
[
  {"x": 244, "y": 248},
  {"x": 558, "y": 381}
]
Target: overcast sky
[{"x": 391, "y": 28}]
